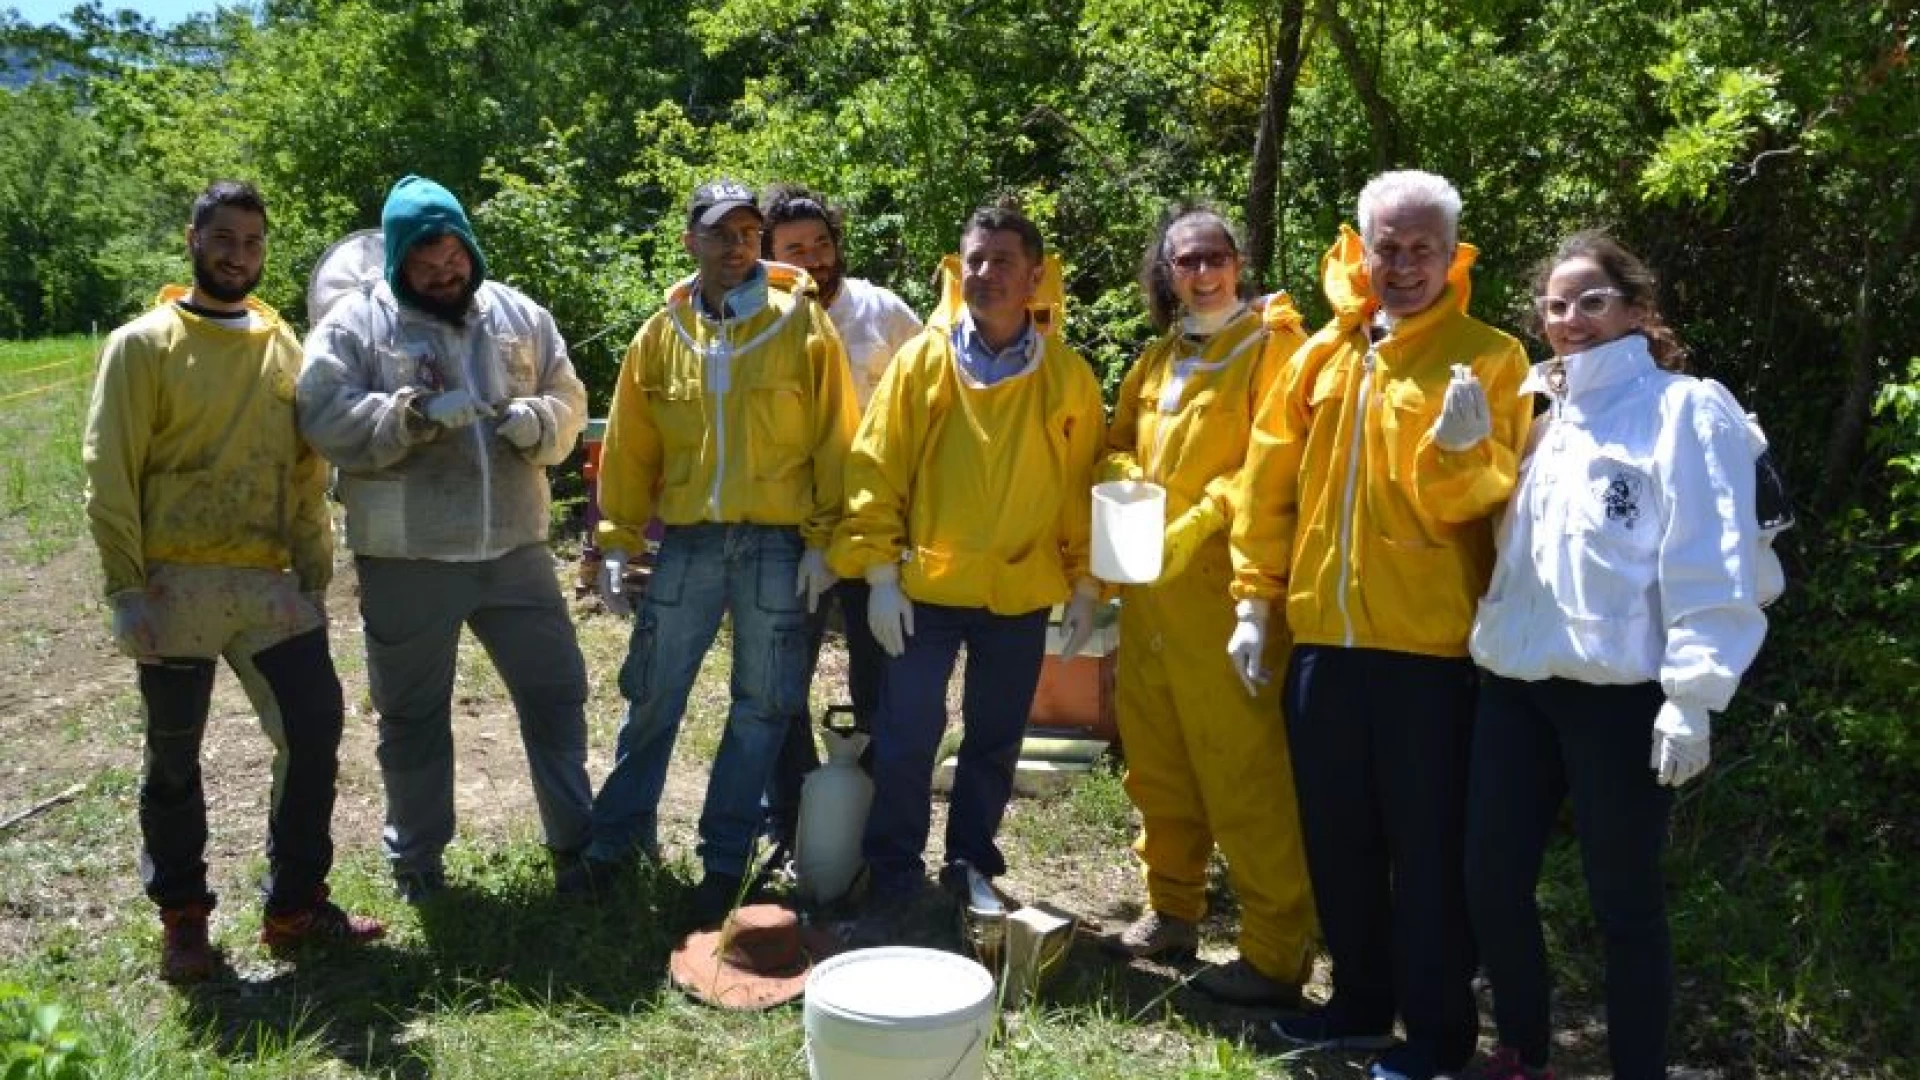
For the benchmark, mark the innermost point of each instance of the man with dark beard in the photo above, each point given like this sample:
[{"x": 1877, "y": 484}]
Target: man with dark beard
[
  {"x": 443, "y": 397},
  {"x": 210, "y": 516},
  {"x": 804, "y": 230}
]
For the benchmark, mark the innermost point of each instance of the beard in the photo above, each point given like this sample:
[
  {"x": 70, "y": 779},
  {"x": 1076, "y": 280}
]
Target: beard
[
  {"x": 207, "y": 281},
  {"x": 448, "y": 311},
  {"x": 828, "y": 279}
]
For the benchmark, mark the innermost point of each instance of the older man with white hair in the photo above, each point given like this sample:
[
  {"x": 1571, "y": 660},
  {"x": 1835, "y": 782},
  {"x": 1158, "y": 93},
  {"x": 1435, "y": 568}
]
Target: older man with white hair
[{"x": 1376, "y": 469}]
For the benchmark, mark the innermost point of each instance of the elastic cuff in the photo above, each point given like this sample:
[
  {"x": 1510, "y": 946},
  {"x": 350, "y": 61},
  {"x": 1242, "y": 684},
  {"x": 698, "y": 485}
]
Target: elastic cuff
[
  {"x": 1252, "y": 610},
  {"x": 883, "y": 573},
  {"x": 1087, "y": 588}
]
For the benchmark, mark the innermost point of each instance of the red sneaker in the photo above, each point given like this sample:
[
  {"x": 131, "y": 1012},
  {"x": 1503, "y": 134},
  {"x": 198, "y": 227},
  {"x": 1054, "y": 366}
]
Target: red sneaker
[
  {"x": 322, "y": 921},
  {"x": 1505, "y": 1064},
  {"x": 185, "y": 954}
]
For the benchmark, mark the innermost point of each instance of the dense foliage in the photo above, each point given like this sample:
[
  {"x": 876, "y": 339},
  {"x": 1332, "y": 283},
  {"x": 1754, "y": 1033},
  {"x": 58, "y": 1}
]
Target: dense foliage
[{"x": 1762, "y": 155}]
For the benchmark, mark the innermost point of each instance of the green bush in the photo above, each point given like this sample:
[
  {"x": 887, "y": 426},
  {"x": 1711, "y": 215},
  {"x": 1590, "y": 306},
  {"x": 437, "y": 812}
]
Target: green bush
[{"x": 37, "y": 1042}]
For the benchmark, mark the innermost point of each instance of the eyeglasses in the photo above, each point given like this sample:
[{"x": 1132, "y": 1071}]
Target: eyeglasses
[
  {"x": 731, "y": 238},
  {"x": 1593, "y": 303},
  {"x": 1194, "y": 262}
]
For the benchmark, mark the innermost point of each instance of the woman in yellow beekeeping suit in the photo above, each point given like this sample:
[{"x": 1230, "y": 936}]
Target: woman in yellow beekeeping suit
[{"x": 1206, "y": 762}]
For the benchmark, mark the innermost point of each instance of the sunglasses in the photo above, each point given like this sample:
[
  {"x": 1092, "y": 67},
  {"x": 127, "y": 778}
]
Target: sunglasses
[
  {"x": 1194, "y": 262},
  {"x": 1593, "y": 303}
]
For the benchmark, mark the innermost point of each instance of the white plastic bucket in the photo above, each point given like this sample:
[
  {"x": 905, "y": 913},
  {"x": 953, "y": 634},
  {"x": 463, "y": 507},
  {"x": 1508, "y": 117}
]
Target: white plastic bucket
[
  {"x": 1129, "y": 526},
  {"x": 898, "y": 1013}
]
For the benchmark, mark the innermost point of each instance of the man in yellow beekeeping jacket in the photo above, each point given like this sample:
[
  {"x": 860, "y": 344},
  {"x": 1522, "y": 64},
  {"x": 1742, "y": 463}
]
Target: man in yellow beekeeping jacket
[
  {"x": 210, "y": 516},
  {"x": 1376, "y": 467},
  {"x": 730, "y": 421},
  {"x": 1206, "y": 762},
  {"x": 969, "y": 516}
]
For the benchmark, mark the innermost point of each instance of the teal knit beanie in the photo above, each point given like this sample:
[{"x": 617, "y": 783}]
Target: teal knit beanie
[{"x": 418, "y": 209}]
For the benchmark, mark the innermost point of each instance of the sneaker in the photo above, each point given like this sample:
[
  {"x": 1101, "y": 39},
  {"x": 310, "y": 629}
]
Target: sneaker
[
  {"x": 1238, "y": 982},
  {"x": 1406, "y": 1062},
  {"x": 970, "y": 889},
  {"x": 416, "y": 887},
  {"x": 322, "y": 921},
  {"x": 1505, "y": 1064},
  {"x": 185, "y": 954},
  {"x": 712, "y": 899},
  {"x": 1325, "y": 1029},
  {"x": 1156, "y": 936}
]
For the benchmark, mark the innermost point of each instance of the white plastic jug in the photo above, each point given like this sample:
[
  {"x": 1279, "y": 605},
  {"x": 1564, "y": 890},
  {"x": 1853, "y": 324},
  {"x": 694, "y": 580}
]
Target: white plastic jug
[
  {"x": 898, "y": 1013},
  {"x": 1129, "y": 527},
  {"x": 833, "y": 815}
]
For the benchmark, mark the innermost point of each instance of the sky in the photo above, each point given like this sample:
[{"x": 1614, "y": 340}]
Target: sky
[{"x": 164, "y": 12}]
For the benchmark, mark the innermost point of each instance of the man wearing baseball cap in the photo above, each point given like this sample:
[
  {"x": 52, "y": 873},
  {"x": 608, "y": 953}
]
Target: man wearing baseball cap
[{"x": 730, "y": 422}]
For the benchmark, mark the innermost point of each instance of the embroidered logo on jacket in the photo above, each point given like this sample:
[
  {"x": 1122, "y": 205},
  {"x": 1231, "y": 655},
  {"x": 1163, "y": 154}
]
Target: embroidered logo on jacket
[{"x": 1622, "y": 499}]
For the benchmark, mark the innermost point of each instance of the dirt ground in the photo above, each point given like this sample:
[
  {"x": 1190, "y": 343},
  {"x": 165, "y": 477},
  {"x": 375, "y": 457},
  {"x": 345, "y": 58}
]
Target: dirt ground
[{"x": 69, "y": 716}]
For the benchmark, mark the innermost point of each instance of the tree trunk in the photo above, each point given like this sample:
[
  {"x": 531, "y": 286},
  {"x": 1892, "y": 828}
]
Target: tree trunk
[
  {"x": 1847, "y": 442},
  {"x": 1383, "y": 121},
  {"x": 1276, "y": 105}
]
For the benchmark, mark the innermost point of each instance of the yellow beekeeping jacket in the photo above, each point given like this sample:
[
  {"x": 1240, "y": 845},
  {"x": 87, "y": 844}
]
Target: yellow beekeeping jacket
[
  {"x": 192, "y": 454},
  {"x": 737, "y": 420},
  {"x": 1373, "y": 535},
  {"x": 1185, "y": 415},
  {"x": 985, "y": 491}
]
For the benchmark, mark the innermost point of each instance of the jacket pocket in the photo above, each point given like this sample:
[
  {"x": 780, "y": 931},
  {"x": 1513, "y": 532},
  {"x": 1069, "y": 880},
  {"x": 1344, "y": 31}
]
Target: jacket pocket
[
  {"x": 777, "y": 439},
  {"x": 518, "y": 368},
  {"x": 1420, "y": 593},
  {"x": 398, "y": 368},
  {"x": 1405, "y": 416},
  {"x": 376, "y": 515},
  {"x": 681, "y": 416},
  {"x": 778, "y": 414}
]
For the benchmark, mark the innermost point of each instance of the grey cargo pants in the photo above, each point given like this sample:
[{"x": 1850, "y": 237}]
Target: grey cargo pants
[{"x": 414, "y": 609}]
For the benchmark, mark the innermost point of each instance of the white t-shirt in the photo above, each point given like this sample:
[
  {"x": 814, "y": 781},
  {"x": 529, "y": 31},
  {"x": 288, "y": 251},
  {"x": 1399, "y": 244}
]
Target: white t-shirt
[{"x": 873, "y": 323}]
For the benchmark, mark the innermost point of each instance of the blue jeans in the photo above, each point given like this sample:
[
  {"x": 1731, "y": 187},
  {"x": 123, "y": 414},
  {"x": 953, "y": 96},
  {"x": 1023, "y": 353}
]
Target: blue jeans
[
  {"x": 1003, "y": 670},
  {"x": 704, "y": 571}
]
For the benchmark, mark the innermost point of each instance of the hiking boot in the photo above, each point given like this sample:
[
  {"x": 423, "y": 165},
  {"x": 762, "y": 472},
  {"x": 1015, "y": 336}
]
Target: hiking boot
[
  {"x": 1240, "y": 983},
  {"x": 1154, "y": 936},
  {"x": 712, "y": 899},
  {"x": 185, "y": 954},
  {"x": 1505, "y": 1064},
  {"x": 1327, "y": 1028},
  {"x": 321, "y": 921}
]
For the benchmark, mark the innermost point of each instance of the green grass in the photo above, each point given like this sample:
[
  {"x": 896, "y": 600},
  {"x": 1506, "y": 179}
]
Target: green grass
[
  {"x": 44, "y": 386},
  {"x": 1793, "y": 877}
]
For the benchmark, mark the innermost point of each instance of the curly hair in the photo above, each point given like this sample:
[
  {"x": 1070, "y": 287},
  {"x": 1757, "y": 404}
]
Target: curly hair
[
  {"x": 1628, "y": 273},
  {"x": 784, "y": 203}
]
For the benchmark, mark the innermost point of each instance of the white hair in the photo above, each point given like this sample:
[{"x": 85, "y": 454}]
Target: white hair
[{"x": 1409, "y": 188}]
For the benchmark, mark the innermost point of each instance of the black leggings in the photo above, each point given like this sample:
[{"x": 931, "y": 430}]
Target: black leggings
[
  {"x": 1535, "y": 745},
  {"x": 173, "y": 810}
]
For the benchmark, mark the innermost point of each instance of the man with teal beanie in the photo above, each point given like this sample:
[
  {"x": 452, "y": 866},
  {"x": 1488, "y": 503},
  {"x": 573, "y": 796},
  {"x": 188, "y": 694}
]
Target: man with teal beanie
[
  {"x": 443, "y": 397},
  {"x": 419, "y": 209}
]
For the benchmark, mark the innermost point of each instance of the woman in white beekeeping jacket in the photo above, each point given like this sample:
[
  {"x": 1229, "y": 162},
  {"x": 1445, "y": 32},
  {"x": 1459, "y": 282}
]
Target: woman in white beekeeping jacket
[{"x": 1624, "y": 607}]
